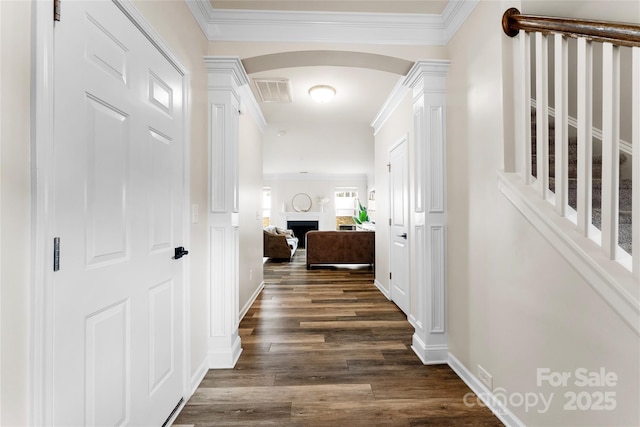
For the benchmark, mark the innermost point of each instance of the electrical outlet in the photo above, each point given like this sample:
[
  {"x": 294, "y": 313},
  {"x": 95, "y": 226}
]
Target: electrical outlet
[{"x": 485, "y": 377}]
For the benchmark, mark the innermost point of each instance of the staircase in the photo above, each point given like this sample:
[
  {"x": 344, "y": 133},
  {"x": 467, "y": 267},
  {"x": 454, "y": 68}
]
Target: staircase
[{"x": 625, "y": 185}]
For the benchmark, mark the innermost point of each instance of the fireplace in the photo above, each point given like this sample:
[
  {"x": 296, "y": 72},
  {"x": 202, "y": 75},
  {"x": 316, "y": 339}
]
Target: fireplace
[{"x": 300, "y": 229}]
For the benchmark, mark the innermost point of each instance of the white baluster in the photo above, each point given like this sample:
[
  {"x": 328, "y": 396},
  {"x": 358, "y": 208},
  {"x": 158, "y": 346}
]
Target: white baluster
[
  {"x": 561, "y": 122},
  {"x": 542, "y": 113},
  {"x": 610, "y": 147},
  {"x": 524, "y": 92},
  {"x": 585, "y": 130},
  {"x": 635, "y": 142}
]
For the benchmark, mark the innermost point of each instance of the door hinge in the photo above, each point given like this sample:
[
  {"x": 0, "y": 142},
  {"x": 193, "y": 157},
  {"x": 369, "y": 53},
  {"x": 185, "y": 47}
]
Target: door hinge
[
  {"x": 389, "y": 275},
  {"x": 389, "y": 221},
  {"x": 56, "y": 10},
  {"x": 56, "y": 253},
  {"x": 389, "y": 166}
]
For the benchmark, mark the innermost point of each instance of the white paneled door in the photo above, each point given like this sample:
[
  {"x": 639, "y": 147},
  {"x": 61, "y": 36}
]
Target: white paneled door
[
  {"x": 399, "y": 215},
  {"x": 118, "y": 170}
]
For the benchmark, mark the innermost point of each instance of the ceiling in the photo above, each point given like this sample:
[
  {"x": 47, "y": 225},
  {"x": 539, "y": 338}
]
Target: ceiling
[{"x": 336, "y": 137}]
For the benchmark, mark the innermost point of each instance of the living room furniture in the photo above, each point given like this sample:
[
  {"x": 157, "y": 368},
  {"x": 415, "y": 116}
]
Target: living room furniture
[
  {"x": 279, "y": 243},
  {"x": 340, "y": 247}
]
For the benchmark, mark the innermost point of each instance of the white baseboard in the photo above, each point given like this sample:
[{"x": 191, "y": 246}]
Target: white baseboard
[
  {"x": 195, "y": 381},
  {"x": 381, "y": 288},
  {"x": 249, "y": 303},
  {"x": 197, "y": 377},
  {"x": 430, "y": 354},
  {"x": 225, "y": 358},
  {"x": 488, "y": 398}
]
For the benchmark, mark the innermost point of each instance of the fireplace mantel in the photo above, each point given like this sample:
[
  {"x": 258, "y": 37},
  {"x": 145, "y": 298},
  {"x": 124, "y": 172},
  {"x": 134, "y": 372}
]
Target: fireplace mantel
[{"x": 301, "y": 216}]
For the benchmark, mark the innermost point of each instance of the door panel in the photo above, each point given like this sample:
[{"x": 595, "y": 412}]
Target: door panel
[
  {"x": 118, "y": 173},
  {"x": 107, "y": 366},
  {"x": 399, "y": 209},
  {"x": 161, "y": 360},
  {"x": 160, "y": 218},
  {"x": 107, "y": 179}
]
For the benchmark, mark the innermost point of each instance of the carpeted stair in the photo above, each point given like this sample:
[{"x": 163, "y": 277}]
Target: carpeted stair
[{"x": 624, "y": 216}]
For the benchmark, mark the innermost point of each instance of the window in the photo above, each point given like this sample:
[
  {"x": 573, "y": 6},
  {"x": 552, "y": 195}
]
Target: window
[
  {"x": 346, "y": 201},
  {"x": 266, "y": 206}
]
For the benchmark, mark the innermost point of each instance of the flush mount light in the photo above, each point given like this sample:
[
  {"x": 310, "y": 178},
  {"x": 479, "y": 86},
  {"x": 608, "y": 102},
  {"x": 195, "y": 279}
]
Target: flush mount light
[{"x": 322, "y": 93}]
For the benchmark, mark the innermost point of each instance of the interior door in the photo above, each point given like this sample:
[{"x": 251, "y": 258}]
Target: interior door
[
  {"x": 399, "y": 215},
  {"x": 118, "y": 171}
]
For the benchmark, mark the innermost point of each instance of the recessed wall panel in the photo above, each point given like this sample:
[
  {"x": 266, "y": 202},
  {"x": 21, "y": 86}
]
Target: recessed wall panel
[
  {"x": 437, "y": 253},
  {"x": 107, "y": 139},
  {"x": 108, "y": 374},
  {"x": 436, "y": 160}
]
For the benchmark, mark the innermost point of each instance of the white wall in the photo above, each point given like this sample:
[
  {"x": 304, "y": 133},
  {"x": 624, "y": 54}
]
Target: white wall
[
  {"x": 338, "y": 149},
  {"x": 514, "y": 305},
  {"x": 399, "y": 125},
  {"x": 284, "y": 187},
  {"x": 250, "y": 181},
  {"x": 15, "y": 211}
]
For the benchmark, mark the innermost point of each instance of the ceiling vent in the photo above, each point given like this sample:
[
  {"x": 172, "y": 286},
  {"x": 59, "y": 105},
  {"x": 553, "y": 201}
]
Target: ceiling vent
[{"x": 274, "y": 90}]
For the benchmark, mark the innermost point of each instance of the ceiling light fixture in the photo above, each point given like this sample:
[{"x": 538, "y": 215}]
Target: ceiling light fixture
[{"x": 322, "y": 93}]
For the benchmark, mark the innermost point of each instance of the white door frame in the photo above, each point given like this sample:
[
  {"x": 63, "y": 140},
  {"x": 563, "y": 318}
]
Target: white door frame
[
  {"x": 42, "y": 112},
  {"x": 403, "y": 140}
]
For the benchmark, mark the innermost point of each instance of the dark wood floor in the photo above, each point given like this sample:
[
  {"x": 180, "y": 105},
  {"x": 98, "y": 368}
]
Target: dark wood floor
[{"x": 326, "y": 348}]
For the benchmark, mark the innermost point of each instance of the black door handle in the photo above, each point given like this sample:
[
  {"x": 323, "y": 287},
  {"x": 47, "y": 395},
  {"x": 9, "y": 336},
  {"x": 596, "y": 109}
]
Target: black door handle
[
  {"x": 403, "y": 235},
  {"x": 179, "y": 252}
]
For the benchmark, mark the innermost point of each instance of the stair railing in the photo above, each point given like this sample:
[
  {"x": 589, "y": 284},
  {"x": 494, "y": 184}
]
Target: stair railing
[{"x": 612, "y": 36}]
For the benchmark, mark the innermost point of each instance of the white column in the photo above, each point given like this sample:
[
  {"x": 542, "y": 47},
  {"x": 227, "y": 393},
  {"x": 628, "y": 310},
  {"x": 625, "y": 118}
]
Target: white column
[
  {"x": 427, "y": 79},
  {"x": 226, "y": 77}
]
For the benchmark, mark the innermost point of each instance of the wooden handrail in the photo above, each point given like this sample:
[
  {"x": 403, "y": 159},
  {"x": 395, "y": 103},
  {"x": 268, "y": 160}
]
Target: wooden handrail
[{"x": 600, "y": 31}]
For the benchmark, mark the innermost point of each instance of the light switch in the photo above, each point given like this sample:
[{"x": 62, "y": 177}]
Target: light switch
[{"x": 195, "y": 214}]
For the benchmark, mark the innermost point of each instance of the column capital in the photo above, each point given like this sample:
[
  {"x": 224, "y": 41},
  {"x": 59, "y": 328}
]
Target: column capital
[
  {"x": 427, "y": 75},
  {"x": 226, "y": 69}
]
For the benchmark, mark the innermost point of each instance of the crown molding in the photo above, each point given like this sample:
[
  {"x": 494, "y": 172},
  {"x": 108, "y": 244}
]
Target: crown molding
[
  {"x": 331, "y": 27},
  {"x": 454, "y": 15},
  {"x": 201, "y": 11}
]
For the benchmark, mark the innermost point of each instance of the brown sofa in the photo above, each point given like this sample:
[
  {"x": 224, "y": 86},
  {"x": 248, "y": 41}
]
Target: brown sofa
[
  {"x": 340, "y": 247},
  {"x": 278, "y": 243}
]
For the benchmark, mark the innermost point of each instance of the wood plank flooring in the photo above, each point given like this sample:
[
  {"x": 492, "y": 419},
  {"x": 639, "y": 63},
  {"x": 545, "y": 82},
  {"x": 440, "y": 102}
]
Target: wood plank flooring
[{"x": 325, "y": 348}]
